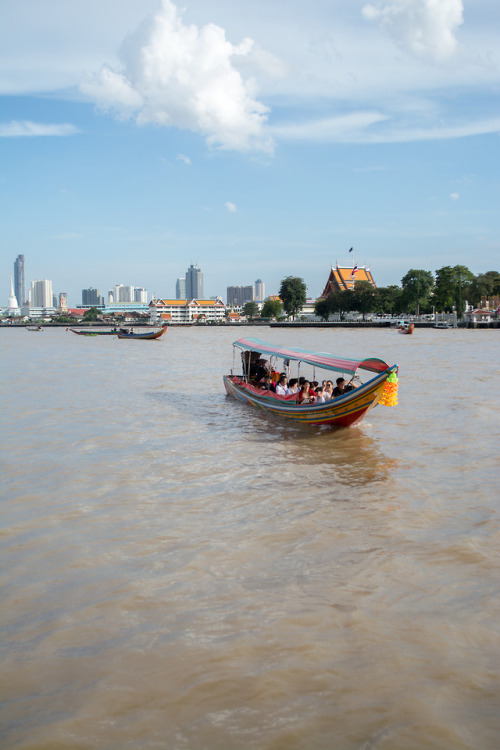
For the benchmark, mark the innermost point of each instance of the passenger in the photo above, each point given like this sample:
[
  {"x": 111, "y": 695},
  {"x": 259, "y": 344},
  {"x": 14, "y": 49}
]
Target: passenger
[
  {"x": 262, "y": 369},
  {"x": 328, "y": 390},
  {"x": 282, "y": 386},
  {"x": 293, "y": 385},
  {"x": 320, "y": 395},
  {"x": 306, "y": 394},
  {"x": 302, "y": 380},
  {"x": 267, "y": 384},
  {"x": 342, "y": 388}
]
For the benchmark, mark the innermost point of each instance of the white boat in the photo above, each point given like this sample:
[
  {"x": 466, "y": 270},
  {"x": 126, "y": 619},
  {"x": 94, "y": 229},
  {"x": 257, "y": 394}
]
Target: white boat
[{"x": 442, "y": 324}]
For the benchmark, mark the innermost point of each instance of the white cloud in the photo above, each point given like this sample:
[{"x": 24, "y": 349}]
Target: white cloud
[
  {"x": 184, "y": 76},
  {"x": 231, "y": 207},
  {"x": 423, "y": 28},
  {"x": 185, "y": 159},
  {"x": 454, "y": 196},
  {"x": 25, "y": 128}
]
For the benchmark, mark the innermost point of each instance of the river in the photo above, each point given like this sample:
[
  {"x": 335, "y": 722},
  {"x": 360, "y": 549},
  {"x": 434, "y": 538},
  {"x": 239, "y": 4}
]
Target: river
[{"x": 181, "y": 571}]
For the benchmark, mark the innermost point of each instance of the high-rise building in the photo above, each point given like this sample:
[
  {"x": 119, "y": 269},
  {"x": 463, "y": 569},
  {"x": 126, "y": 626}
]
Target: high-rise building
[
  {"x": 19, "y": 288},
  {"x": 238, "y": 295},
  {"x": 194, "y": 283},
  {"x": 41, "y": 293},
  {"x": 91, "y": 297},
  {"x": 180, "y": 288},
  {"x": 141, "y": 295},
  {"x": 260, "y": 291}
]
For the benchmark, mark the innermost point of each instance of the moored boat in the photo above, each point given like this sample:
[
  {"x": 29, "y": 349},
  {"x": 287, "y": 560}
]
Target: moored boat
[
  {"x": 342, "y": 411},
  {"x": 406, "y": 328},
  {"x": 150, "y": 335},
  {"x": 34, "y": 328}
]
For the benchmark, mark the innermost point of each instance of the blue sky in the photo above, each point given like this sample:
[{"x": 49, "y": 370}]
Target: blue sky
[{"x": 256, "y": 139}]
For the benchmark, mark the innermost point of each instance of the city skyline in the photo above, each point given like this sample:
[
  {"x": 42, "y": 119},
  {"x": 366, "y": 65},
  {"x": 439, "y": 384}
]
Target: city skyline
[{"x": 371, "y": 125}]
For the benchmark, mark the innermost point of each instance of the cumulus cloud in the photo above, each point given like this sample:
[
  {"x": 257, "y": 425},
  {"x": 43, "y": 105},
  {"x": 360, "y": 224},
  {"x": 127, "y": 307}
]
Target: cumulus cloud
[
  {"x": 231, "y": 207},
  {"x": 187, "y": 77},
  {"x": 184, "y": 158},
  {"x": 423, "y": 28},
  {"x": 25, "y": 128}
]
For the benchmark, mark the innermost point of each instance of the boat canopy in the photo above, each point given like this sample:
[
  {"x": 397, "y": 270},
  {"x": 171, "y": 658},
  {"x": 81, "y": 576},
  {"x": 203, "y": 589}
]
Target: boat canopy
[{"x": 317, "y": 359}]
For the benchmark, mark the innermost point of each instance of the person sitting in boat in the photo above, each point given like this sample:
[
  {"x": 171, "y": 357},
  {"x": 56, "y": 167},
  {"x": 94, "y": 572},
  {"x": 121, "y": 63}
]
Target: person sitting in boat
[
  {"x": 267, "y": 384},
  {"x": 293, "y": 385},
  {"x": 342, "y": 388},
  {"x": 328, "y": 390},
  {"x": 262, "y": 370},
  {"x": 320, "y": 394},
  {"x": 306, "y": 394},
  {"x": 282, "y": 386}
]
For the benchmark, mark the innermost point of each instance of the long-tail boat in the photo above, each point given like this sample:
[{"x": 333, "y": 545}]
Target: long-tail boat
[
  {"x": 149, "y": 335},
  {"x": 92, "y": 332},
  {"x": 406, "y": 328},
  {"x": 342, "y": 411}
]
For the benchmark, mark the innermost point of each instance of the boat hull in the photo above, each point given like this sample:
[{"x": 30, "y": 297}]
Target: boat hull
[
  {"x": 340, "y": 412},
  {"x": 147, "y": 336},
  {"x": 93, "y": 333}
]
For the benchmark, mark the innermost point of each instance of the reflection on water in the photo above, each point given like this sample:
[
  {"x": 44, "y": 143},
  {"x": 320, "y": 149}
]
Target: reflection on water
[{"x": 182, "y": 571}]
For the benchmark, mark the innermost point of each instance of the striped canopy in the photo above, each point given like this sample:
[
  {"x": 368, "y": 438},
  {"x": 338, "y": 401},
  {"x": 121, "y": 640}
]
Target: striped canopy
[{"x": 317, "y": 359}]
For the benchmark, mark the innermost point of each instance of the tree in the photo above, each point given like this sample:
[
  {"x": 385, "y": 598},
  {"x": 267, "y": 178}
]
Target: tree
[
  {"x": 363, "y": 297},
  {"x": 322, "y": 308},
  {"x": 91, "y": 314},
  {"x": 452, "y": 287},
  {"x": 336, "y": 302},
  {"x": 250, "y": 309},
  {"x": 388, "y": 299},
  {"x": 293, "y": 294},
  {"x": 272, "y": 308},
  {"x": 484, "y": 285},
  {"x": 417, "y": 286}
]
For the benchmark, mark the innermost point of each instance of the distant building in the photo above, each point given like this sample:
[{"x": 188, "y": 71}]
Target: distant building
[
  {"x": 41, "y": 294},
  {"x": 19, "y": 288},
  {"x": 187, "y": 310},
  {"x": 260, "y": 291},
  {"x": 343, "y": 278},
  {"x": 54, "y": 300},
  {"x": 63, "y": 301},
  {"x": 238, "y": 295},
  {"x": 141, "y": 295},
  {"x": 180, "y": 288},
  {"x": 92, "y": 297},
  {"x": 194, "y": 283}
]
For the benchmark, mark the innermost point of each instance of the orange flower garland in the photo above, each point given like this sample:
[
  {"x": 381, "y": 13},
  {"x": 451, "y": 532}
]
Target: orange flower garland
[{"x": 389, "y": 395}]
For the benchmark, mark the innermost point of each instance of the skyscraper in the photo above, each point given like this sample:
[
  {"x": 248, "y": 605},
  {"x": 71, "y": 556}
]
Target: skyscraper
[
  {"x": 19, "y": 288},
  {"x": 238, "y": 295},
  {"x": 91, "y": 297},
  {"x": 260, "y": 291},
  {"x": 194, "y": 283},
  {"x": 141, "y": 295},
  {"x": 41, "y": 293},
  {"x": 180, "y": 289}
]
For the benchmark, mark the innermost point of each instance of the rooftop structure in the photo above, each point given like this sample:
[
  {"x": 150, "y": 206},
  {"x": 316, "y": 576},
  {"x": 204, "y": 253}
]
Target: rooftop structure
[
  {"x": 187, "y": 310},
  {"x": 343, "y": 278}
]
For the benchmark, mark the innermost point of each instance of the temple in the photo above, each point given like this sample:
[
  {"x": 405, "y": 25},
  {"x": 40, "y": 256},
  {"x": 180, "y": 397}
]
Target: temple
[{"x": 343, "y": 278}]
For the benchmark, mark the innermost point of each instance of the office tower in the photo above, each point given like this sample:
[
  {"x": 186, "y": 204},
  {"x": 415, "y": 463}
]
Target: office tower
[
  {"x": 141, "y": 295},
  {"x": 91, "y": 297},
  {"x": 41, "y": 293},
  {"x": 260, "y": 291},
  {"x": 19, "y": 289},
  {"x": 194, "y": 283},
  {"x": 180, "y": 289},
  {"x": 238, "y": 295}
]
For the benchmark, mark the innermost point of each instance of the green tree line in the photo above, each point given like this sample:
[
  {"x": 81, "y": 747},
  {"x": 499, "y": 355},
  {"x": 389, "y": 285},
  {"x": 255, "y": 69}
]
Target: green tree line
[{"x": 420, "y": 292}]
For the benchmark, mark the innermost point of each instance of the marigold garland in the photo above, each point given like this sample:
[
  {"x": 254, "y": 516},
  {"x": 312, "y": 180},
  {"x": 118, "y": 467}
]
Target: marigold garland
[{"x": 389, "y": 395}]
